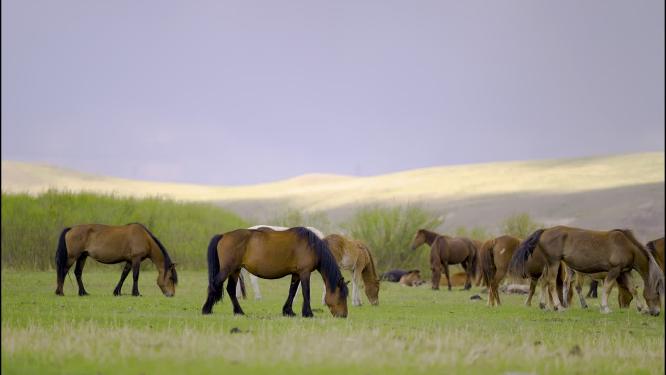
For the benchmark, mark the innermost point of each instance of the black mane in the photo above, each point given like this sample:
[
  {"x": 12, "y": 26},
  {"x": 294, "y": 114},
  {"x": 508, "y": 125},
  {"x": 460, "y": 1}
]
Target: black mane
[
  {"x": 327, "y": 266},
  {"x": 167, "y": 259}
]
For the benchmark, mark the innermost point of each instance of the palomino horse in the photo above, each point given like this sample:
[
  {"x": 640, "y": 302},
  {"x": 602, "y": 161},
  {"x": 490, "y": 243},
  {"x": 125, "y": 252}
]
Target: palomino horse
[
  {"x": 354, "y": 256},
  {"x": 445, "y": 250},
  {"x": 240, "y": 289},
  {"x": 494, "y": 257},
  {"x": 110, "y": 244},
  {"x": 271, "y": 255},
  {"x": 616, "y": 252}
]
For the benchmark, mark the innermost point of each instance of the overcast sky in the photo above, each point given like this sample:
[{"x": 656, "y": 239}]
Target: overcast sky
[{"x": 243, "y": 92}]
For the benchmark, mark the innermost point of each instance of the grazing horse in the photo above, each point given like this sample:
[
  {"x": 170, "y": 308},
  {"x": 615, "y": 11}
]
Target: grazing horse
[
  {"x": 445, "y": 250},
  {"x": 271, "y": 255},
  {"x": 616, "y": 252},
  {"x": 240, "y": 289},
  {"x": 354, "y": 256},
  {"x": 112, "y": 244},
  {"x": 495, "y": 256}
]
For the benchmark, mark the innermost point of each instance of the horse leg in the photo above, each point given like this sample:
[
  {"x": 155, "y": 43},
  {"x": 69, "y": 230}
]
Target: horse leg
[
  {"x": 592, "y": 293},
  {"x": 293, "y": 287},
  {"x": 608, "y": 281},
  {"x": 323, "y": 296},
  {"x": 215, "y": 291},
  {"x": 543, "y": 294},
  {"x": 446, "y": 273},
  {"x": 305, "y": 286},
  {"x": 123, "y": 276},
  {"x": 533, "y": 284},
  {"x": 468, "y": 279},
  {"x": 231, "y": 290},
  {"x": 255, "y": 286},
  {"x": 61, "y": 278},
  {"x": 356, "y": 295},
  {"x": 78, "y": 272},
  {"x": 579, "y": 290},
  {"x": 624, "y": 281},
  {"x": 495, "y": 289},
  {"x": 136, "y": 266},
  {"x": 566, "y": 287},
  {"x": 551, "y": 277},
  {"x": 240, "y": 286}
]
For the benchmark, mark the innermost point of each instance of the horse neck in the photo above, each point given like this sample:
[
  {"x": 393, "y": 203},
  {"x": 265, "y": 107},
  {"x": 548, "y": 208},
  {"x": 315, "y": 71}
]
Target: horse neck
[
  {"x": 642, "y": 264},
  {"x": 369, "y": 274},
  {"x": 157, "y": 257},
  {"x": 430, "y": 237}
]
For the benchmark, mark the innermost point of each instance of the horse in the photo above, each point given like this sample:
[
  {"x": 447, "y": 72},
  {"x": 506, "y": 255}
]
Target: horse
[
  {"x": 411, "y": 278},
  {"x": 457, "y": 279},
  {"x": 394, "y": 275},
  {"x": 616, "y": 252},
  {"x": 110, "y": 244},
  {"x": 240, "y": 289},
  {"x": 478, "y": 280},
  {"x": 494, "y": 257},
  {"x": 445, "y": 250},
  {"x": 354, "y": 256},
  {"x": 271, "y": 255}
]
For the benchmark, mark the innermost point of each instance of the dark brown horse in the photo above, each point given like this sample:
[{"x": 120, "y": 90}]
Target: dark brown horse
[
  {"x": 271, "y": 255},
  {"x": 445, "y": 250},
  {"x": 495, "y": 256},
  {"x": 110, "y": 244},
  {"x": 616, "y": 252}
]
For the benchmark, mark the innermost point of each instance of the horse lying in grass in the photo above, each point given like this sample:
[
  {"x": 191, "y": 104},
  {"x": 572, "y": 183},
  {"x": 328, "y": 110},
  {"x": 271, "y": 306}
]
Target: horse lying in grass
[
  {"x": 111, "y": 244},
  {"x": 354, "y": 256},
  {"x": 271, "y": 255},
  {"x": 445, "y": 250},
  {"x": 616, "y": 252},
  {"x": 404, "y": 277}
]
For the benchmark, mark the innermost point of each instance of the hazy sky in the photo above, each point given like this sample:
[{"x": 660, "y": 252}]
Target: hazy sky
[{"x": 243, "y": 92}]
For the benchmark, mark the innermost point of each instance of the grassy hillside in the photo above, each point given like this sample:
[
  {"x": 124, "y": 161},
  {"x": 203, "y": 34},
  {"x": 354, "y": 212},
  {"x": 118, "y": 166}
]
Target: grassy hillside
[{"x": 31, "y": 225}]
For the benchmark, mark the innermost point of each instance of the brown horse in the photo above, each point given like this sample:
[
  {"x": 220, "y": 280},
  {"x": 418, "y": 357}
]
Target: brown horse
[
  {"x": 271, "y": 255},
  {"x": 495, "y": 256},
  {"x": 354, "y": 255},
  {"x": 575, "y": 279},
  {"x": 110, "y": 244},
  {"x": 616, "y": 252},
  {"x": 411, "y": 278},
  {"x": 478, "y": 280},
  {"x": 445, "y": 250}
]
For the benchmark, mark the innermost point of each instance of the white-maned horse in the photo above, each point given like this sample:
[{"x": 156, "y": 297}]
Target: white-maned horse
[{"x": 255, "y": 280}]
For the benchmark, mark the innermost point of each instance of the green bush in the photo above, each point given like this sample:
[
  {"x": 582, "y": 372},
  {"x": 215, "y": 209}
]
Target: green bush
[
  {"x": 519, "y": 225},
  {"x": 477, "y": 233},
  {"x": 389, "y": 232},
  {"x": 31, "y": 225}
]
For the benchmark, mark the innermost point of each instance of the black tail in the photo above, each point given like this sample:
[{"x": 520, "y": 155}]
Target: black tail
[
  {"x": 487, "y": 260},
  {"x": 525, "y": 249},
  {"x": 215, "y": 290},
  {"x": 61, "y": 255}
]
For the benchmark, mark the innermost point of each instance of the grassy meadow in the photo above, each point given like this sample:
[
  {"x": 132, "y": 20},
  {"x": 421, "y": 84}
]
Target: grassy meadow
[{"x": 413, "y": 330}]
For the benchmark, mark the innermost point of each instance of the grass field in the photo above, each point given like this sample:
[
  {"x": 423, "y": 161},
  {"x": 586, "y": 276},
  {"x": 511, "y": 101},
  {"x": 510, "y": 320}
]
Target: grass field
[{"x": 412, "y": 330}]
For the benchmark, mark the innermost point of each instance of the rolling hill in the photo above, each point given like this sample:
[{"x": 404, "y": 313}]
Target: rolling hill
[{"x": 596, "y": 192}]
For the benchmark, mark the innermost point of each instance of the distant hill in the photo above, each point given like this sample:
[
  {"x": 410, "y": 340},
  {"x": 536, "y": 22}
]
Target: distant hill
[{"x": 596, "y": 192}]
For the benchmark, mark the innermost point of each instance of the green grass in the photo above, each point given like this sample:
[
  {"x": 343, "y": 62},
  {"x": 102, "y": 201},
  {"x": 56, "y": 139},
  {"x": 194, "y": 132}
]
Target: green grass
[
  {"x": 412, "y": 330},
  {"x": 31, "y": 225}
]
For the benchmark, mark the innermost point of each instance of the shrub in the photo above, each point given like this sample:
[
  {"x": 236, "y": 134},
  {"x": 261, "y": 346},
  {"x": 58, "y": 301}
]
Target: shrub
[{"x": 519, "y": 225}]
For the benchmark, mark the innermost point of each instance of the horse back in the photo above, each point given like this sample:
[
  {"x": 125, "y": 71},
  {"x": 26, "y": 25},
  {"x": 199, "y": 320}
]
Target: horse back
[{"x": 109, "y": 243}]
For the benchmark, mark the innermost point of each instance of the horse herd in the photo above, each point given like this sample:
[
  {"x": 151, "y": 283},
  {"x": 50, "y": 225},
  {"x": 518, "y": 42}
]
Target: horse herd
[{"x": 558, "y": 257}]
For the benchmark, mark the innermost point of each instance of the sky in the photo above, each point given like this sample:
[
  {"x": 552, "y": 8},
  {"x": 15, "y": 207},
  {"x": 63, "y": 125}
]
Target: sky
[{"x": 243, "y": 92}]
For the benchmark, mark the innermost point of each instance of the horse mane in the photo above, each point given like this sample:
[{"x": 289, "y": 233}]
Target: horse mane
[
  {"x": 328, "y": 266},
  {"x": 371, "y": 266},
  {"x": 167, "y": 259},
  {"x": 655, "y": 277}
]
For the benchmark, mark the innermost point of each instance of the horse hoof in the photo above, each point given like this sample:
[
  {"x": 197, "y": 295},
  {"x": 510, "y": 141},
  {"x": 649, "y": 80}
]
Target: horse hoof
[
  {"x": 542, "y": 306},
  {"x": 605, "y": 310},
  {"x": 308, "y": 315},
  {"x": 83, "y": 294},
  {"x": 239, "y": 313},
  {"x": 288, "y": 313},
  {"x": 136, "y": 295},
  {"x": 116, "y": 293}
]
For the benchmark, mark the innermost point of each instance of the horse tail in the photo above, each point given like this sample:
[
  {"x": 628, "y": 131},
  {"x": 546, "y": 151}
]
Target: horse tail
[
  {"x": 61, "y": 254},
  {"x": 327, "y": 265},
  {"x": 474, "y": 259},
  {"x": 655, "y": 274},
  {"x": 487, "y": 261},
  {"x": 215, "y": 290},
  {"x": 525, "y": 249}
]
